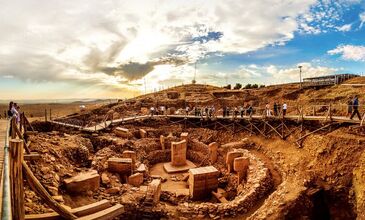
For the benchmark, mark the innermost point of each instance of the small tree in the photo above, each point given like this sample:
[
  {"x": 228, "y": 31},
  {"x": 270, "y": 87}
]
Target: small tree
[
  {"x": 248, "y": 86},
  {"x": 262, "y": 86},
  {"x": 228, "y": 86},
  {"x": 255, "y": 86},
  {"x": 237, "y": 86}
]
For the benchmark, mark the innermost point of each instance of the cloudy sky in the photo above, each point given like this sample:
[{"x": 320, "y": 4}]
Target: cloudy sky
[{"x": 114, "y": 49}]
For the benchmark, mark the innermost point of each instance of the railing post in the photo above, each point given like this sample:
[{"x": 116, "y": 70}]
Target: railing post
[
  {"x": 50, "y": 114},
  {"x": 12, "y": 127},
  {"x": 45, "y": 114},
  {"x": 330, "y": 111},
  {"x": 16, "y": 178}
]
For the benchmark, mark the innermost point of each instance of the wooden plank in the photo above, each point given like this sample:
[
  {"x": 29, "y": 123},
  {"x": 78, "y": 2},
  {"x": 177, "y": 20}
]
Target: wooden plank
[
  {"x": 16, "y": 178},
  {"x": 79, "y": 211},
  {"x": 32, "y": 156},
  {"x": 106, "y": 214},
  {"x": 42, "y": 192}
]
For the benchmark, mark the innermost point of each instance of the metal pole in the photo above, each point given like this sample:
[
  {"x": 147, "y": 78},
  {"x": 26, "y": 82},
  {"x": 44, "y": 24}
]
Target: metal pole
[
  {"x": 6, "y": 197},
  {"x": 300, "y": 75}
]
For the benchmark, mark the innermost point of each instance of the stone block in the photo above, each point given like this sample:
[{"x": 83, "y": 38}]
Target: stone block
[
  {"x": 120, "y": 165},
  {"x": 240, "y": 165},
  {"x": 142, "y": 133},
  {"x": 82, "y": 182},
  {"x": 135, "y": 179},
  {"x": 178, "y": 153},
  {"x": 162, "y": 142},
  {"x": 184, "y": 136},
  {"x": 130, "y": 154},
  {"x": 123, "y": 132},
  {"x": 154, "y": 189},
  {"x": 202, "y": 181},
  {"x": 213, "y": 152},
  {"x": 230, "y": 158}
]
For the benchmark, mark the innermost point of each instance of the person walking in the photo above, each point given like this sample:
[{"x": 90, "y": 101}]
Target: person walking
[
  {"x": 355, "y": 106},
  {"x": 285, "y": 106},
  {"x": 275, "y": 109},
  {"x": 250, "y": 110},
  {"x": 349, "y": 107}
]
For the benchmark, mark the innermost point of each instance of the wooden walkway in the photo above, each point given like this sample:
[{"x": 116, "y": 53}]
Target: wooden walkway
[
  {"x": 339, "y": 119},
  {"x": 103, "y": 125}
]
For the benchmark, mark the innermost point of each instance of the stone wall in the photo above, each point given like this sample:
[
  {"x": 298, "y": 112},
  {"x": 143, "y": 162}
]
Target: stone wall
[{"x": 259, "y": 183}]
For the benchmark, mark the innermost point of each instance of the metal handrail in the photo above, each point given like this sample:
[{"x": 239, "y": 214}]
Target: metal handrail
[{"x": 6, "y": 199}]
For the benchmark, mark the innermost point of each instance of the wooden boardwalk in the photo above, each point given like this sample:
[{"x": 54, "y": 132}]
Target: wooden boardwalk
[
  {"x": 103, "y": 125},
  {"x": 339, "y": 119}
]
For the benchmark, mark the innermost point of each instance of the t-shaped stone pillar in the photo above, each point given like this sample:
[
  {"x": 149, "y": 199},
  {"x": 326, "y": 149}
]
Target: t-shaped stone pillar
[
  {"x": 178, "y": 153},
  {"x": 230, "y": 158},
  {"x": 213, "y": 154},
  {"x": 240, "y": 165}
]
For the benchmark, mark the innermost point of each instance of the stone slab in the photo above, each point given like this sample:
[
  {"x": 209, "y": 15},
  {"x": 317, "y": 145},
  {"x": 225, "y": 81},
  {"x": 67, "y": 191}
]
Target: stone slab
[
  {"x": 82, "y": 182},
  {"x": 169, "y": 168},
  {"x": 120, "y": 165}
]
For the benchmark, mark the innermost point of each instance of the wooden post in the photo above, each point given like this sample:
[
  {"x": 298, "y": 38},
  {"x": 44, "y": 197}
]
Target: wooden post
[
  {"x": 13, "y": 128},
  {"x": 45, "y": 114},
  {"x": 50, "y": 114},
  {"x": 330, "y": 111},
  {"x": 16, "y": 179}
]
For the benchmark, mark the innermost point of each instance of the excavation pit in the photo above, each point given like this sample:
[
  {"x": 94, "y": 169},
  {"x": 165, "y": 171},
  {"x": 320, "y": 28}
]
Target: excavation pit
[
  {"x": 251, "y": 172},
  {"x": 190, "y": 170}
]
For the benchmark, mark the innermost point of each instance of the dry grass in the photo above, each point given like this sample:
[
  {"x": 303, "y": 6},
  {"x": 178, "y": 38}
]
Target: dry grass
[{"x": 57, "y": 110}]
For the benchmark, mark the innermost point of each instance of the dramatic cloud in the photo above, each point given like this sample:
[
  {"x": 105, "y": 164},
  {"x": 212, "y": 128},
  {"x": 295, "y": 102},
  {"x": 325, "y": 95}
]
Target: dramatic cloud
[
  {"x": 117, "y": 43},
  {"x": 105, "y": 35},
  {"x": 349, "y": 52}
]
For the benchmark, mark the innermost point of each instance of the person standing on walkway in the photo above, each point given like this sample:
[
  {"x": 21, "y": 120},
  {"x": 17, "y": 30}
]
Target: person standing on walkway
[
  {"x": 349, "y": 107},
  {"x": 267, "y": 110},
  {"x": 275, "y": 109},
  {"x": 355, "y": 104},
  {"x": 285, "y": 106}
]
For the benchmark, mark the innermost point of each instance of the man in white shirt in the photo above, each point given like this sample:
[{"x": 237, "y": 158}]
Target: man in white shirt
[{"x": 285, "y": 106}]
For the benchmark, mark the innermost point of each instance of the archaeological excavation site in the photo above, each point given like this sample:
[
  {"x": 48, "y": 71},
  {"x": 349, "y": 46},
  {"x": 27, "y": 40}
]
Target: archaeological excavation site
[{"x": 123, "y": 161}]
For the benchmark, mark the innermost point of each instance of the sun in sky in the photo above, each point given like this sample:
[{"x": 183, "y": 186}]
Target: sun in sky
[{"x": 118, "y": 49}]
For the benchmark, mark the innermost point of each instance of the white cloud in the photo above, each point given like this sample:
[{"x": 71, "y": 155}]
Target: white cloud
[
  {"x": 362, "y": 19},
  {"x": 349, "y": 52},
  {"x": 345, "y": 28},
  {"x": 292, "y": 74},
  {"x": 325, "y": 16}
]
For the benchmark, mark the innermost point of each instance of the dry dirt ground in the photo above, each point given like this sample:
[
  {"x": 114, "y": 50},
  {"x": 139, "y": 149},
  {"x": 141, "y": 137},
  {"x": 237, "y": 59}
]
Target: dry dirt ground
[{"x": 324, "y": 179}]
